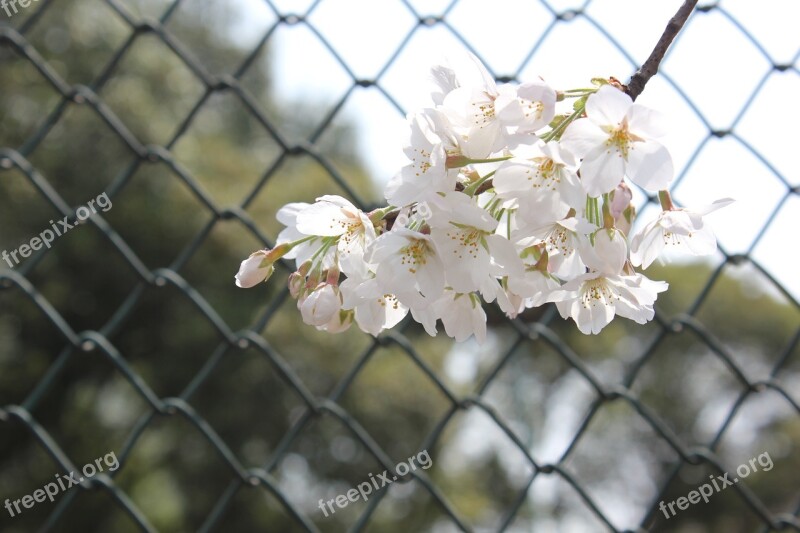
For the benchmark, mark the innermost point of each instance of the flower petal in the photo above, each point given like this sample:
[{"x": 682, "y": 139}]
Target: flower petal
[
  {"x": 287, "y": 215},
  {"x": 583, "y": 136},
  {"x": 645, "y": 122},
  {"x": 647, "y": 245},
  {"x": 602, "y": 170},
  {"x": 608, "y": 106},
  {"x": 650, "y": 165},
  {"x": 717, "y": 204},
  {"x": 322, "y": 218}
]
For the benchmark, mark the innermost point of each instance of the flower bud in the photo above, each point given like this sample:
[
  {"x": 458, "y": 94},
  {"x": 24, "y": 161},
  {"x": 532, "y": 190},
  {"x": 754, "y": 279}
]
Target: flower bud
[
  {"x": 620, "y": 199},
  {"x": 254, "y": 270},
  {"x": 332, "y": 276},
  {"x": 297, "y": 280},
  {"x": 260, "y": 266},
  {"x": 319, "y": 307},
  {"x": 456, "y": 161},
  {"x": 622, "y": 208}
]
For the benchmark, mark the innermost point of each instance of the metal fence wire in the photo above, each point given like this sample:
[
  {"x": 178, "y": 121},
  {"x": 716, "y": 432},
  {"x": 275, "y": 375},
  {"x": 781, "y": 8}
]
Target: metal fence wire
[{"x": 20, "y": 416}]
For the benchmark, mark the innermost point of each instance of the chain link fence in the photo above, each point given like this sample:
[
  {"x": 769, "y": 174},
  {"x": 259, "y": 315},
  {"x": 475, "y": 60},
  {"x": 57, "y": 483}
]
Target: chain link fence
[{"x": 50, "y": 346}]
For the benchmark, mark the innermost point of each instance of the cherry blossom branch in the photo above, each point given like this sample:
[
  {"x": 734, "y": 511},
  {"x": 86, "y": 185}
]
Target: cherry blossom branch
[
  {"x": 650, "y": 67},
  {"x": 637, "y": 82},
  {"x": 633, "y": 89},
  {"x": 556, "y": 229}
]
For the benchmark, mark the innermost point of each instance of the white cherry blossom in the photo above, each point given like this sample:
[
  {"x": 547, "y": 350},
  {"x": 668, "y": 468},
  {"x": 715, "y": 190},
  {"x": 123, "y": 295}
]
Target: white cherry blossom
[
  {"x": 543, "y": 181},
  {"x": 334, "y": 216},
  {"x": 472, "y": 253},
  {"x": 461, "y": 314},
  {"x": 526, "y": 107},
  {"x": 320, "y": 305},
  {"x": 407, "y": 263},
  {"x": 592, "y": 300},
  {"x": 491, "y": 209},
  {"x": 486, "y": 114},
  {"x": 374, "y": 310},
  {"x": 680, "y": 228},
  {"x": 618, "y": 138},
  {"x": 533, "y": 286},
  {"x": 561, "y": 239},
  {"x": 430, "y": 142}
]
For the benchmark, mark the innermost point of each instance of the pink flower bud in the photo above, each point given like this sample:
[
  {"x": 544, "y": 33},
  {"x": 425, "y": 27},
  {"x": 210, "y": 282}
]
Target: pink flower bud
[
  {"x": 621, "y": 200},
  {"x": 254, "y": 269}
]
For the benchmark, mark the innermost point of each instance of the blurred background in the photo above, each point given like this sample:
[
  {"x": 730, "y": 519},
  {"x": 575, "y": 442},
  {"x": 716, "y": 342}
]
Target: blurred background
[{"x": 201, "y": 118}]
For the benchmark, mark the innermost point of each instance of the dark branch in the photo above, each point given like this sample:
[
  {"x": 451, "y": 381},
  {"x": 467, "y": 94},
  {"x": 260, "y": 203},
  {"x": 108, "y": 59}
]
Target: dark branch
[{"x": 650, "y": 67}]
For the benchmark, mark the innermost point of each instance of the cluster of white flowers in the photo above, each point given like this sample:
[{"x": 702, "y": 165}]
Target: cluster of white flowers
[{"x": 502, "y": 200}]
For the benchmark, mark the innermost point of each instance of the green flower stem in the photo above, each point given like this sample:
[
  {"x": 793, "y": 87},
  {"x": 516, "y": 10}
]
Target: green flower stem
[
  {"x": 556, "y": 132},
  {"x": 379, "y": 214},
  {"x": 585, "y": 90},
  {"x": 578, "y": 93},
  {"x": 666, "y": 201},
  {"x": 472, "y": 188},
  {"x": 326, "y": 243},
  {"x": 593, "y": 211},
  {"x": 490, "y": 160},
  {"x": 280, "y": 250},
  {"x": 459, "y": 161},
  {"x": 301, "y": 241}
]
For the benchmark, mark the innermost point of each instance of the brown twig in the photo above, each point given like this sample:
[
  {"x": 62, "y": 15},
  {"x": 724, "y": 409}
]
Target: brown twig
[{"x": 650, "y": 67}]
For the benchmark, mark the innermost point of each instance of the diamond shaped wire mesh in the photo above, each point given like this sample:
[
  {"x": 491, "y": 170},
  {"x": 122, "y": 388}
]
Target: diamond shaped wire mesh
[{"x": 99, "y": 95}]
